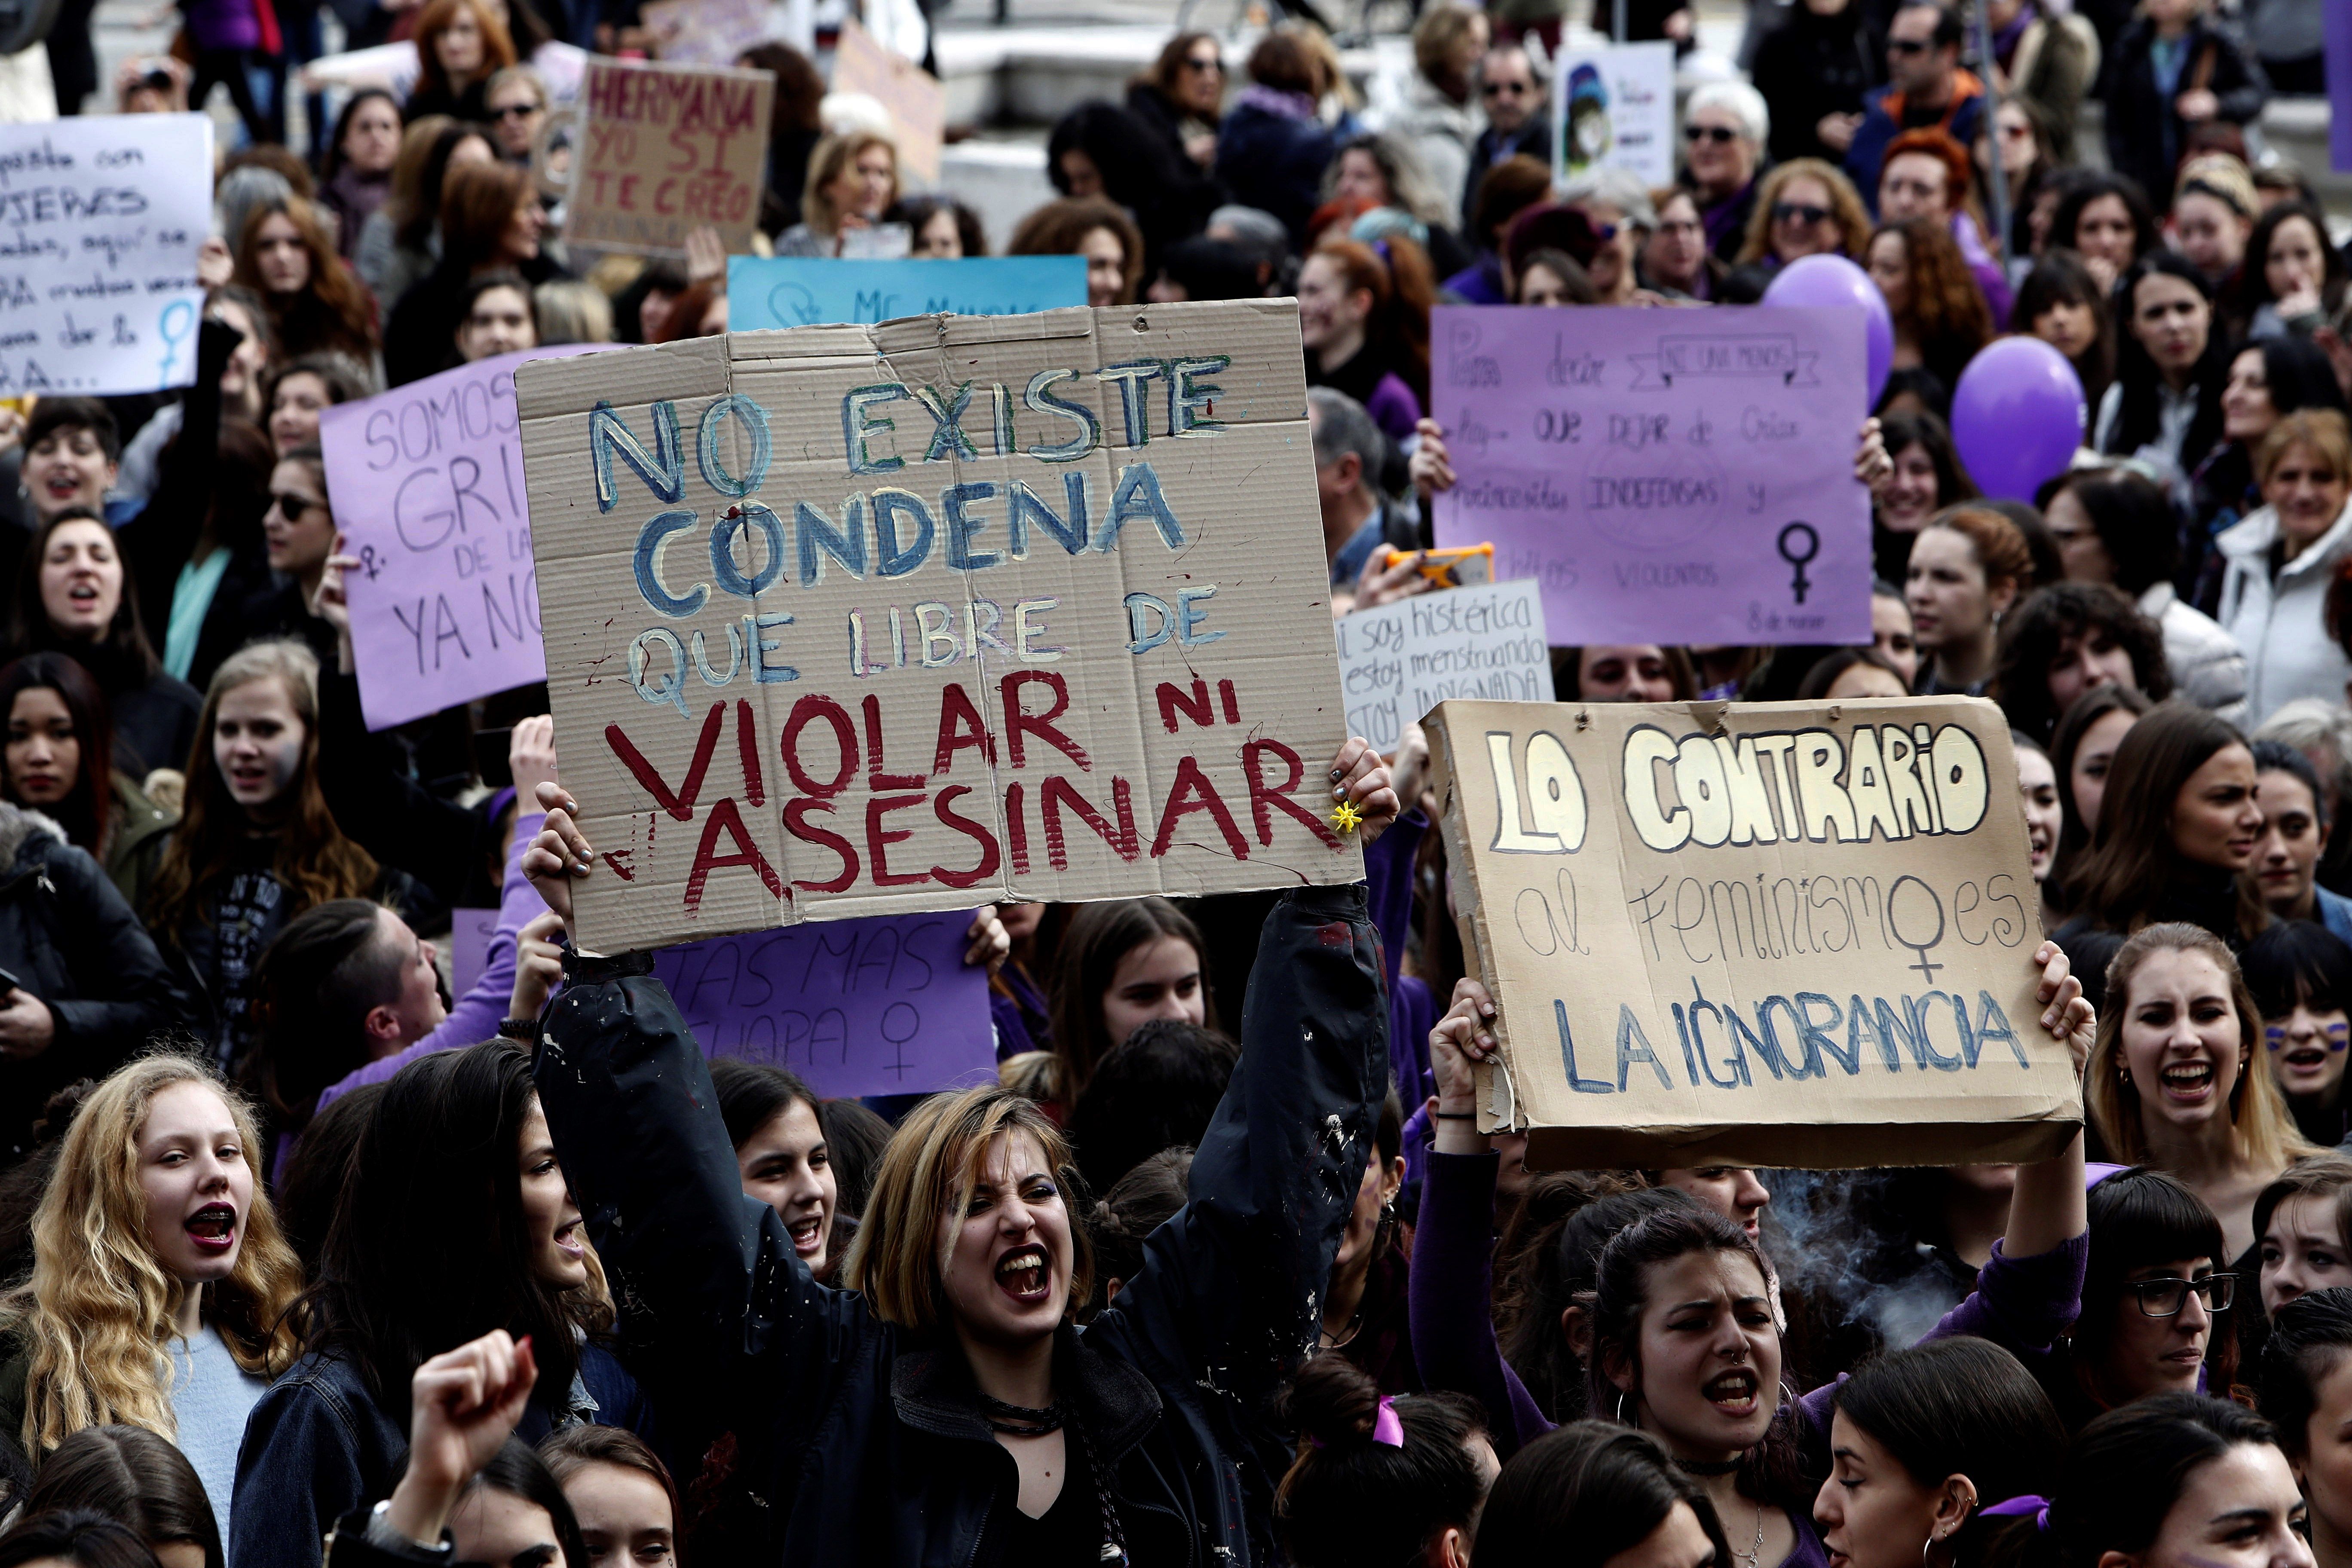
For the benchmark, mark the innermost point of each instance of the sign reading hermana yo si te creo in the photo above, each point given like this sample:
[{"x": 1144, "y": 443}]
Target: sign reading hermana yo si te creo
[{"x": 855, "y": 620}]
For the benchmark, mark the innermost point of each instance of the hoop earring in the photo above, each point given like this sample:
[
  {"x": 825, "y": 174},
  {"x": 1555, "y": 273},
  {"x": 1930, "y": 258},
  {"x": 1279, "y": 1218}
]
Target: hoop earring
[{"x": 1621, "y": 1409}]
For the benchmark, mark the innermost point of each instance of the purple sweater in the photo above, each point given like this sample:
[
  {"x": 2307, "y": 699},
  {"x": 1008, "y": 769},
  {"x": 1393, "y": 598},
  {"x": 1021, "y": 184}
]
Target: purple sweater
[
  {"x": 479, "y": 1011},
  {"x": 2021, "y": 1304}
]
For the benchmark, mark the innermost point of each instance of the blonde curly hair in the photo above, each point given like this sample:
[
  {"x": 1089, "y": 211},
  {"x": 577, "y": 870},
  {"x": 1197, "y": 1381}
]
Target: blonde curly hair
[{"x": 98, "y": 1308}]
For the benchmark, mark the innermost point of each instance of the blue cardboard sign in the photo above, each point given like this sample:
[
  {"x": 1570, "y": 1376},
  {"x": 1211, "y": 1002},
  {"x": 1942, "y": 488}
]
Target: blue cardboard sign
[{"x": 807, "y": 291}]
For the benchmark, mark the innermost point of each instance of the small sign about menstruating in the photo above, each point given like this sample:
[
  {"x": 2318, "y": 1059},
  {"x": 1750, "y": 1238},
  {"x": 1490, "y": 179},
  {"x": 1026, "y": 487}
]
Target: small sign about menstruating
[
  {"x": 426, "y": 484},
  {"x": 1614, "y": 108},
  {"x": 1664, "y": 476},
  {"x": 1398, "y": 661},
  {"x": 100, "y": 220},
  {"x": 856, "y": 1008},
  {"x": 808, "y": 291}
]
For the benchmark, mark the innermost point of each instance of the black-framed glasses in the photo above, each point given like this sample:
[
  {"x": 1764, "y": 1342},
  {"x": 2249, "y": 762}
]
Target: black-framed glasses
[
  {"x": 1907, "y": 46},
  {"x": 518, "y": 112},
  {"x": 293, "y": 507},
  {"x": 1719, "y": 134},
  {"x": 1799, "y": 211},
  {"x": 2165, "y": 1297}
]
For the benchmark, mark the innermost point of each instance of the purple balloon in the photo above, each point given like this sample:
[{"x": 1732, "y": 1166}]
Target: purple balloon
[
  {"x": 1834, "y": 280},
  {"x": 2017, "y": 417}
]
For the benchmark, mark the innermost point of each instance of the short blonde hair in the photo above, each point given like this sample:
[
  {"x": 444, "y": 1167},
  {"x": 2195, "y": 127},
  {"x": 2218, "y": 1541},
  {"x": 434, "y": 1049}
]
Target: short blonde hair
[
  {"x": 929, "y": 1169},
  {"x": 2266, "y": 1132},
  {"x": 2323, "y": 430},
  {"x": 826, "y": 162}
]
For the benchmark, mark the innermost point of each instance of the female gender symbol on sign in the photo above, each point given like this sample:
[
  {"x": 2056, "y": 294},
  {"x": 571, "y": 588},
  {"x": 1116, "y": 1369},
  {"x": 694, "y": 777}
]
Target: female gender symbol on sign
[
  {"x": 1916, "y": 944},
  {"x": 1795, "y": 538}
]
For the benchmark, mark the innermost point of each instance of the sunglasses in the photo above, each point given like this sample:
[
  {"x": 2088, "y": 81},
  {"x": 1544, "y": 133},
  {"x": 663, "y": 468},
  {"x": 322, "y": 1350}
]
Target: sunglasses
[
  {"x": 2165, "y": 1297},
  {"x": 293, "y": 507},
  {"x": 518, "y": 112},
  {"x": 1719, "y": 134},
  {"x": 1907, "y": 47},
  {"x": 1799, "y": 211}
]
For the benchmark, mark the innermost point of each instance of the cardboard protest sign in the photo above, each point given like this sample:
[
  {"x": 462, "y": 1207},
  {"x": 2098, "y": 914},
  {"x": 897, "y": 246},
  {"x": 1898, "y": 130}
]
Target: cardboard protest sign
[
  {"x": 808, "y": 291},
  {"x": 102, "y": 217},
  {"x": 1398, "y": 661},
  {"x": 855, "y": 1007},
  {"x": 704, "y": 32},
  {"x": 1666, "y": 476},
  {"x": 877, "y": 620},
  {"x": 427, "y": 483},
  {"x": 1783, "y": 933},
  {"x": 1614, "y": 108},
  {"x": 916, "y": 103},
  {"x": 667, "y": 148}
]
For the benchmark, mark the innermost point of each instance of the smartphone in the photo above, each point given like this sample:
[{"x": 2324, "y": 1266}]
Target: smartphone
[
  {"x": 491, "y": 759},
  {"x": 1462, "y": 566}
]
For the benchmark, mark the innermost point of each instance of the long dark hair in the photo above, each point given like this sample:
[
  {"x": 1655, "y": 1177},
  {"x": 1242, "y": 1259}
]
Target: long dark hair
[
  {"x": 1903, "y": 431},
  {"x": 1558, "y": 1276},
  {"x": 2133, "y": 863},
  {"x": 2129, "y": 1468},
  {"x": 2251, "y": 289},
  {"x": 2060, "y": 278},
  {"x": 333, "y": 163},
  {"x": 1349, "y": 1498},
  {"x": 2032, "y": 634},
  {"x": 1099, "y": 936},
  {"x": 314, "y": 861},
  {"x": 2140, "y": 1217},
  {"x": 333, "y": 310},
  {"x": 124, "y": 644},
  {"x": 2310, "y": 1336},
  {"x": 2140, "y": 415},
  {"x": 1578, "y": 1496},
  {"x": 85, "y": 811},
  {"x": 391, "y": 1292},
  {"x": 2084, "y": 186},
  {"x": 79, "y": 1536},
  {"x": 1769, "y": 1472},
  {"x": 1962, "y": 1406},
  {"x": 134, "y": 1477},
  {"x": 2073, "y": 835},
  {"x": 517, "y": 1470}
]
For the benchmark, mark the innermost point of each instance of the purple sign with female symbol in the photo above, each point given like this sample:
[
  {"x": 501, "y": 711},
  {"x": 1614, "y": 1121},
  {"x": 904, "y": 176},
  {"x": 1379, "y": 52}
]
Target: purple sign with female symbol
[{"x": 1664, "y": 475}]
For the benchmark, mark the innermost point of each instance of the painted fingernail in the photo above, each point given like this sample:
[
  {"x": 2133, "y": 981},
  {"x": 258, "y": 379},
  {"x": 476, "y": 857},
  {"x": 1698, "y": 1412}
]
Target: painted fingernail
[{"x": 1338, "y": 774}]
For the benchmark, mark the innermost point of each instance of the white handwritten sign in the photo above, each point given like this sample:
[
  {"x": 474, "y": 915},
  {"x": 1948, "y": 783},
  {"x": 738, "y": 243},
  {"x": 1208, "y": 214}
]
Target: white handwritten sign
[
  {"x": 100, "y": 220},
  {"x": 1398, "y": 661},
  {"x": 1614, "y": 108}
]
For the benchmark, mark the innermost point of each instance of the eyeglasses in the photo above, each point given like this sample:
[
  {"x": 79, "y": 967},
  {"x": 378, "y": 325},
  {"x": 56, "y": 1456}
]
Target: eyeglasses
[
  {"x": 518, "y": 112},
  {"x": 1799, "y": 211},
  {"x": 293, "y": 507},
  {"x": 1907, "y": 47},
  {"x": 2165, "y": 1297},
  {"x": 1719, "y": 134},
  {"x": 1498, "y": 88}
]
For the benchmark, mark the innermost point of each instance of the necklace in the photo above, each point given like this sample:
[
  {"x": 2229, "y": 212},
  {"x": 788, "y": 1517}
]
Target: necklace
[
  {"x": 1021, "y": 1420},
  {"x": 1757, "y": 1551}
]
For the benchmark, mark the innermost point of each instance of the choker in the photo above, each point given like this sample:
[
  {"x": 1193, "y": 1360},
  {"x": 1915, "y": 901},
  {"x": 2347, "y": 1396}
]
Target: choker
[
  {"x": 1020, "y": 1420},
  {"x": 1710, "y": 1466}
]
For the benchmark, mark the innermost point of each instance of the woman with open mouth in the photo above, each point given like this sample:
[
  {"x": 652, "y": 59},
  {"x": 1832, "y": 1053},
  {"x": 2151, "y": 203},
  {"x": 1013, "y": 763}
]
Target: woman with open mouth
[
  {"x": 2300, "y": 976},
  {"x": 456, "y": 1221},
  {"x": 189, "y": 1352},
  {"x": 780, "y": 1149},
  {"x": 1684, "y": 1341},
  {"x": 2175, "y": 1083},
  {"x": 944, "y": 1407}
]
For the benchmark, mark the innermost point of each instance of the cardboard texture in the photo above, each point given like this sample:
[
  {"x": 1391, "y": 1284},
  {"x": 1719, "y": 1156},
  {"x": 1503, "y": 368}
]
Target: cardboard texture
[
  {"x": 907, "y": 677},
  {"x": 426, "y": 485},
  {"x": 1614, "y": 106},
  {"x": 102, "y": 217},
  {"x": 1667, "y": 475},
  {"x": 1782, "y": 933},
  {"x": 1398, "y": 661},
  {"x": 764, "y": 291},
  {"x": 855, "y": 1007},
  {"x": 916, "y": 102},
  {"x": 666, "y": 149}
]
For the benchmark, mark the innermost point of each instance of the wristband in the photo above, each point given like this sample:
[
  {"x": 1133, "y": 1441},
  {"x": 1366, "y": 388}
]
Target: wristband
[{"x": 522, "y": 1031}]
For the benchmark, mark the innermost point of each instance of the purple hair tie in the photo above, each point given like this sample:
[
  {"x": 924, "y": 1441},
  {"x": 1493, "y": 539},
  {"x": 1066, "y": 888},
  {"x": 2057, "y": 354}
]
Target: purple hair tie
[
  {"x": 2028, "y": 1506},
  {"x": 1386, "y": 1427}
]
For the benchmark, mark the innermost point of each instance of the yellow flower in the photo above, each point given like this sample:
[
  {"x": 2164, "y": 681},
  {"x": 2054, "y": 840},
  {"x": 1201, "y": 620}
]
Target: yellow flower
[{"x": 1346, "y": 816}]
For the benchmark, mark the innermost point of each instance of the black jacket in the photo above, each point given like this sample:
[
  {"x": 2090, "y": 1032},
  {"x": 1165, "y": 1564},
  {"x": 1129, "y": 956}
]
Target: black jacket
[
  {"x": 1808, "y": 67},
  {"x": 68, "y": 937},
  {"x": 861, "y": 1440},
  {"x": 2145, "y": 138}
]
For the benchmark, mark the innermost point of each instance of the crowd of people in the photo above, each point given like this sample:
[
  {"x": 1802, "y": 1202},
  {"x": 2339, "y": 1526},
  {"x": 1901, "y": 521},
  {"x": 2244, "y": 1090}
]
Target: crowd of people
[{"x": 309, "y": 1260}]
